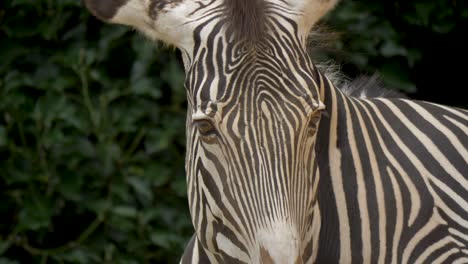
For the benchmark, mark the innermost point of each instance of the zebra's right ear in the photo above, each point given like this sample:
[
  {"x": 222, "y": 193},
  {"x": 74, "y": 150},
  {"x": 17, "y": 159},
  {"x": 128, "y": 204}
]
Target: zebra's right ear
[{"x": 310, "y": 11}]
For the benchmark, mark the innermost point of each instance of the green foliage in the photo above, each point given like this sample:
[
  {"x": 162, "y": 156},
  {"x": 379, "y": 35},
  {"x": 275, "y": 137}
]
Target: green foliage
[
  {"x": 92, "y": 124},
  {"x": 92, "y": 141},
  {"x": 394, "y": 38},
  {"x": 371, "y": 37}
]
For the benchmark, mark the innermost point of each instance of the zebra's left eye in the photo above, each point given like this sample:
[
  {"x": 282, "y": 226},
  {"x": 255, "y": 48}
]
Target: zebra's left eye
[
  {"x": 205, "y": 128},
  {"x": 313, "y": 122}
]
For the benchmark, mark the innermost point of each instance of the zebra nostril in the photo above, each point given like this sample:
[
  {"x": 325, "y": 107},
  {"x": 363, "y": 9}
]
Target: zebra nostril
[{"x": 104, "y": 9}]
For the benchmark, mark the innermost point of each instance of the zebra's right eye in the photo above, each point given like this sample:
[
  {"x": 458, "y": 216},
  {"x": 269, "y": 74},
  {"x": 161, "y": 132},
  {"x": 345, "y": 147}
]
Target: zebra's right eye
[{"x": 206, "y": 128}]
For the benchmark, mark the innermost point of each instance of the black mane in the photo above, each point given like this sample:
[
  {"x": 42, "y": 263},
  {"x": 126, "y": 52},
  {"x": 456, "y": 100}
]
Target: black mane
[{"x": 246, "y": 19}]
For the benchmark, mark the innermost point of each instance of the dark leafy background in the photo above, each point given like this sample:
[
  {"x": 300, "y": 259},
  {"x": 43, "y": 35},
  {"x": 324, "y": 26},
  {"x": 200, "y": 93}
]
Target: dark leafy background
[{"x": 92, "y": 120}]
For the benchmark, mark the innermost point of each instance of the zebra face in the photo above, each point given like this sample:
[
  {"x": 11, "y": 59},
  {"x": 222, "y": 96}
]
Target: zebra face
[
  {"x": 253, "y": 110},
  {"x": 250, "y": 167}
]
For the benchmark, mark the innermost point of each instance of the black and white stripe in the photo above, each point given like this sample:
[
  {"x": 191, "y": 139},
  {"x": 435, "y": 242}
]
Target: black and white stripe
[{"x": 396, "y": 172}]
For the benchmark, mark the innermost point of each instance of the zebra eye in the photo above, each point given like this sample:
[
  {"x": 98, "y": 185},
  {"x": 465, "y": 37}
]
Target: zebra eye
[
  {"x": 314, "y": 122},
  {"x": 205, "y": 128}
]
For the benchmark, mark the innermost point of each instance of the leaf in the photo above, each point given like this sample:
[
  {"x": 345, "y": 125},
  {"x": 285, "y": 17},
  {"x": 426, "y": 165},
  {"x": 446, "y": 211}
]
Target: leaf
[
  {"x": 51, "y": 28},
  {"x": 179, "y": 186},
  {"x": 158, "y": 173},
  {"x": 55, "y": 136},
  {"x": 395, "y": 76},
  {"x": 391, "y": 48},
  {"x": 125, "y": 211},
  {"x": 125, "y": 119},
  {"x": 126, "y": 261},
  {"x": 414, "y": 55},
  {"x": 149, "y": 215},
  {"x": 98, "y": 205},
  {"x": 142, "y": 188},
  {"x": 10, "y": 50},
  {"x": 173, "y": 75},
  {"x": 444, "y": 27},
  {"x": 423, "y": 11},
  {"x": 8, "y": 261},
  {"x": 17, "y": 170},
  {"x": 464, "y": 13},
  {"x": 146, "y": 86},
  {"x": 80, "y": 255},
  {"x": 109, "y": 153},
  {"x": 3, "y": 136},
  {"x": 157, "y": 140},
  {"x": 23, "y": 2},
  {"x": 71, "y": 185},
  {"x": 50, "y": 107},
  {"x": 4, "y": 246},
  {"x": 163, "y": 239},
  {"x": 145, "y": 50},
  {"x": 36, "y": 213}
]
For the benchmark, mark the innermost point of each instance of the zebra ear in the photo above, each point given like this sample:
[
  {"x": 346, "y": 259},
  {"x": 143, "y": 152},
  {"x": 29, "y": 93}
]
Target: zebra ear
[
  {"x": 310, "y": 11},
  {"x": 159, "y": 20}
]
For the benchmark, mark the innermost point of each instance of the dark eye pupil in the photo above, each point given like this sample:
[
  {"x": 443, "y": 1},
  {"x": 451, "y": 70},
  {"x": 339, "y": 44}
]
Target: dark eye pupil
[
  {"x": 313, "y": 123},
  {"x": 205, "y": 127}
]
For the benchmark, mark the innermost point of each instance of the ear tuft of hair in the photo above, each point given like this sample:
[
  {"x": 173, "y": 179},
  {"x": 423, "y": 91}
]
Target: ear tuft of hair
[
  {"x": 246, "y": 19},
  {"x": 369, "y": 87}
]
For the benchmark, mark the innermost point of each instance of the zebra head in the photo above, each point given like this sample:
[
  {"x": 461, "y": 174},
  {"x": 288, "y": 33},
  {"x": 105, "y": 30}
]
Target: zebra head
[{"x": 253, "y": 109}]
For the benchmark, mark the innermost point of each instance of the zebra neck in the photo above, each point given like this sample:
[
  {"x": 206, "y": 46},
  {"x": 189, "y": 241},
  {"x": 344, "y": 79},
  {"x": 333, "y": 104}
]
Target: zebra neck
[
  {"x": 335, "y": 102},
  {"x": 330, "y": 143}
]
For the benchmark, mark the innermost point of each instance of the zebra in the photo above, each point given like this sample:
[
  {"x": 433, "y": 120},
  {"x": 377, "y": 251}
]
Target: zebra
[{"x": 284, "y": 167}]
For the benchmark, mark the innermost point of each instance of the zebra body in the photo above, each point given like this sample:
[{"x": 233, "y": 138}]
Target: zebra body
[
  {"x": 282, "y": 166},
  {"x": 396, "y": 171}
]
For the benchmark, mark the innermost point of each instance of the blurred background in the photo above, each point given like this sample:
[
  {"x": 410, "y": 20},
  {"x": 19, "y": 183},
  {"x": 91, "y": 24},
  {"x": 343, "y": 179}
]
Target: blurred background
[{"x": 92, "y": 120}]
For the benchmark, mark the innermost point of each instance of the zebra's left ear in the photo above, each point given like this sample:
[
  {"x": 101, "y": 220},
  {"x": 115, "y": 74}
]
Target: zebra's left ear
[
  {"x": 165, "y": 20},
  {"x": 310, "y": 11}
]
